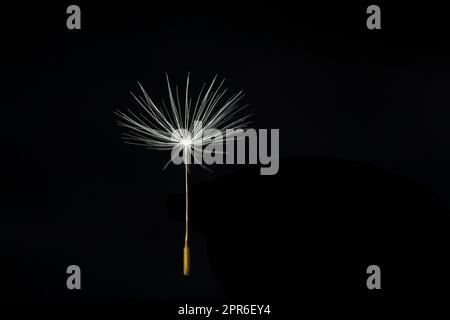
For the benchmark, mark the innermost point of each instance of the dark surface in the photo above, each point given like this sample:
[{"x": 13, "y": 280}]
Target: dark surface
[{"x": 365, "y": 113}]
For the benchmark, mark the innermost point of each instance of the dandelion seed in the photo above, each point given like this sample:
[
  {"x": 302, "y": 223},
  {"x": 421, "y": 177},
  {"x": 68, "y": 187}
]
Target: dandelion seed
[{"x": 183, "y": 126}]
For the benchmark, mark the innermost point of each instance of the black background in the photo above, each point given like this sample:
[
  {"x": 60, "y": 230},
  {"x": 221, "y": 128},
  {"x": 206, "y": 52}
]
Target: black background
[{"x": 73, "y": 193}]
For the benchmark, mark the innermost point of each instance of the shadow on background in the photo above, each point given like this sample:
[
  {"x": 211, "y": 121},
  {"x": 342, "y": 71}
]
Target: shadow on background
[{"x": 307, "y": 235}]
